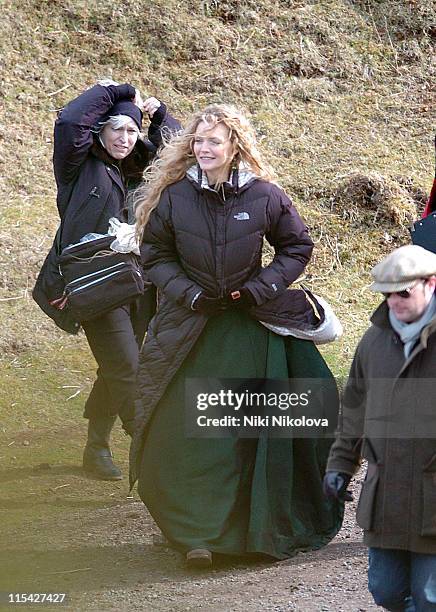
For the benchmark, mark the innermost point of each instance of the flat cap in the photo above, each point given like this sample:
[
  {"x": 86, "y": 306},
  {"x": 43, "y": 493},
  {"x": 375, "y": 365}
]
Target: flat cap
[{"x": 401, "y": 268}]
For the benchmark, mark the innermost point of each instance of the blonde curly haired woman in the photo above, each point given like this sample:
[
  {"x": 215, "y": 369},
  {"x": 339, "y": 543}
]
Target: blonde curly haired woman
[{"x": 203, "y": 214}]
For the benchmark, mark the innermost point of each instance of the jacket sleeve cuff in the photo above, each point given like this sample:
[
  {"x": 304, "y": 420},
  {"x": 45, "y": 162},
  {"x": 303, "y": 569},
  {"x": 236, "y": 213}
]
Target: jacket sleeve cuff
[
  {"x": 194, "y": 299},
  {"x": 190, "y": 296},
  {"x": 159, "y": 115},
  {"x": 265, "y": 293},
  {"x": 347, "y": 466},
  {"x": 124, "y": 92}
]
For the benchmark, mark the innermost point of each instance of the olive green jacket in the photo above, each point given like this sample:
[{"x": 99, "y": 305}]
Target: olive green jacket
[{"x": 389, "y": 419}]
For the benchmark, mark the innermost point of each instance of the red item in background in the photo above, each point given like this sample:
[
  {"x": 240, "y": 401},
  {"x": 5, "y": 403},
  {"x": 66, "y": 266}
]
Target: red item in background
[{"x": 431, "y": 202}]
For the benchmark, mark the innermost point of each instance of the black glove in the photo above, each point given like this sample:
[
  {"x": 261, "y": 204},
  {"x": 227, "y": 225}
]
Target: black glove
[
  {"x": 209, "y": 306},
  {"x": 242, "y": 298},
  {"x": 335, "y": 485}
]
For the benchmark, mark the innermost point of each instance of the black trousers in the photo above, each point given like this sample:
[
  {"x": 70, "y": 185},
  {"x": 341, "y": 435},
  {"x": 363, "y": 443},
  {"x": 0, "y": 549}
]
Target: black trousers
[{"x": 115, "y": 340}]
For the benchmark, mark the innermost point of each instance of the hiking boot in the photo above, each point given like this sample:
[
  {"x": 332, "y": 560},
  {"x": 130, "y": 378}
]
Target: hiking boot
[
  {"x": 97, "y": 456},
  {"x": 199, "y": 558}
]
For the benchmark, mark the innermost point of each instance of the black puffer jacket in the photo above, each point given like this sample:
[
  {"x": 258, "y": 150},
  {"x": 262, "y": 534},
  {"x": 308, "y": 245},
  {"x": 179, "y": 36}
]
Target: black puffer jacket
[
  {"x": 91, "y": 185},
  {"x": 199, "y": 240}
]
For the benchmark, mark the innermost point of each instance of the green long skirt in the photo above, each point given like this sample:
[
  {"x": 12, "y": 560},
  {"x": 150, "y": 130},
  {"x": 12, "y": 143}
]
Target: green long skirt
[{"x": 238, "y": 496}]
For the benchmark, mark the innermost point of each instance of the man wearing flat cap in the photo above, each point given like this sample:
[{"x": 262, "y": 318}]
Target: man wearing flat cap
[{"x": 389, "y": 419}]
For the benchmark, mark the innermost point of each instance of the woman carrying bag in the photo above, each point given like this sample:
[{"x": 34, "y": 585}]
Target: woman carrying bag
[
  {"x": 204, "y": 214},
  {"x": 97, "y": 149}
]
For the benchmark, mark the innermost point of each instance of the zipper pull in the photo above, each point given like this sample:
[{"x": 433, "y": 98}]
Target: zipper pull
[{"x": 94, "y": 192}]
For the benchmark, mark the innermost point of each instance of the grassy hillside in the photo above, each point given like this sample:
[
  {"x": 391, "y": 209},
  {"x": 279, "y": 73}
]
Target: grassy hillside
[{"x": 334, "y": 87}]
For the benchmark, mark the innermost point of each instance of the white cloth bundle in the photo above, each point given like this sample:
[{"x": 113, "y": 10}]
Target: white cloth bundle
[{"x": 126, "y": 240}]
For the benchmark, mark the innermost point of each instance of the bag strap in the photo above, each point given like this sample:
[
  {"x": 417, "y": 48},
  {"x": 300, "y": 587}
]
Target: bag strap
[{"x": 57, "y": 240}]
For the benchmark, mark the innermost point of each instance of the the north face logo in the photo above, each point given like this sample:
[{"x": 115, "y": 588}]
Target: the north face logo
[{"x": 242, "y": 216}]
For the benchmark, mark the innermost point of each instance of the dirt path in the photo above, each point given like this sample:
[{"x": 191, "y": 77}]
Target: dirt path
[{"x": 105, "y": 559}]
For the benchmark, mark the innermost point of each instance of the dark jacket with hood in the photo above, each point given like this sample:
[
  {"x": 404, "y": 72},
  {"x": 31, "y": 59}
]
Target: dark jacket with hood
[
  {"x": 388, "y": 417},
  {"x": 91, "y": 184},
  {"x": 200, "y": 240}
]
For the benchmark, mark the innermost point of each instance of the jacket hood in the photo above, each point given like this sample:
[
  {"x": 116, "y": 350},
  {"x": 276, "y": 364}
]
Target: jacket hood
[
  {"x": 240, "y": 177},
  {"x": 100, "y": 152}
]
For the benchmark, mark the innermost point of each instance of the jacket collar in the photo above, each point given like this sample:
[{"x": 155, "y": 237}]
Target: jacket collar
[
  {"x": 380, "y": 318},
  {"x": 240, "y": 178},
  {"x": 100, "y": 153},
  {"x": 113, "y": 167},
  {"x": 422, "y": 344}
]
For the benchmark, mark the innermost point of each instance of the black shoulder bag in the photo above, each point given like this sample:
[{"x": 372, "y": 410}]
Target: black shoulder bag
[
  {"x": 85, "y": 281},
  {"x": 98, "y": 279},
  {"x": 49, "y": 289}
]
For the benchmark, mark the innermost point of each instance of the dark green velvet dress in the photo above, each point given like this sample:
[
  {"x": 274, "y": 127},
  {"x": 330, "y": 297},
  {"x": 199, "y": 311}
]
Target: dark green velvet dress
[{"x": 238, "y": 496}]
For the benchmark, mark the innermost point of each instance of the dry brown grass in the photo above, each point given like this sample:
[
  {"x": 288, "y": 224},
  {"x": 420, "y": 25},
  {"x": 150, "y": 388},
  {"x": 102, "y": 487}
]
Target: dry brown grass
[{"x": 334, "y": 88}]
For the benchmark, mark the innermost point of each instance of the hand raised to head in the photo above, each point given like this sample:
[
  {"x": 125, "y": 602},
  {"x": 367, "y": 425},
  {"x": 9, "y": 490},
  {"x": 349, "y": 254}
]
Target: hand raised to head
[{"x": 150, "y": 106}]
